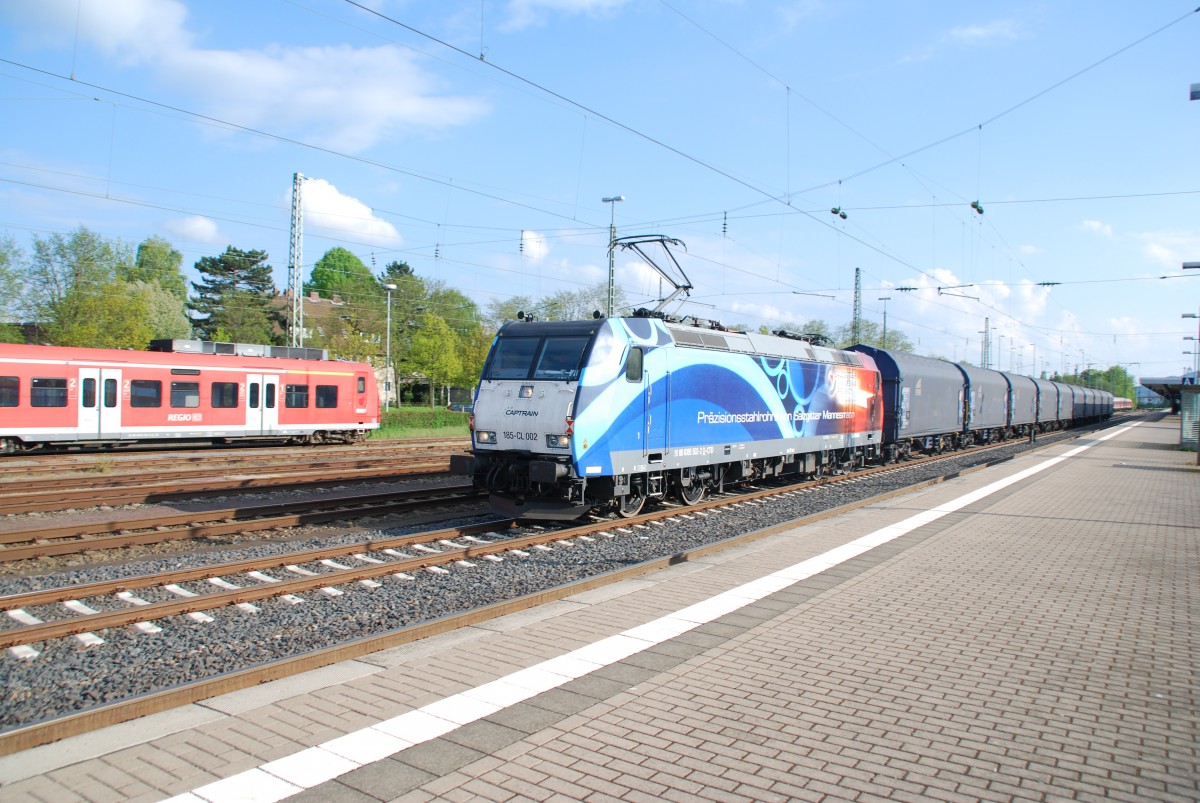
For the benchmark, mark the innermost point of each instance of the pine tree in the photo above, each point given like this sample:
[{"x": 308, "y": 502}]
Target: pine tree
[{"x": 236, "y": 298}]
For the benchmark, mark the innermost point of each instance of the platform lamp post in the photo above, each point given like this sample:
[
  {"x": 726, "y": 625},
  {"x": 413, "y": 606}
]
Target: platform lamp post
[
  {"x": 387, "y": 370},
  {"x": 612, "y": 244}
]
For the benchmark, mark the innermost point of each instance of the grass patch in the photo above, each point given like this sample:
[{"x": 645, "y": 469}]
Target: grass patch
[{"x": 421, "y": 422}]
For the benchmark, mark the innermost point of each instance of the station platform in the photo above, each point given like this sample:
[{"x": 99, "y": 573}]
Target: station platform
[{"x": 1029, "y": 631}]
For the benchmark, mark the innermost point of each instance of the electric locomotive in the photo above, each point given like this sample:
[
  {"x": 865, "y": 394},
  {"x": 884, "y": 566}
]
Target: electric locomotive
[{"x": 582, "y": 415}]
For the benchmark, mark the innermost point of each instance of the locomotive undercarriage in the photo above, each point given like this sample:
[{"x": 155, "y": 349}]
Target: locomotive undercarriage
[{"x": 526, "y": 486}]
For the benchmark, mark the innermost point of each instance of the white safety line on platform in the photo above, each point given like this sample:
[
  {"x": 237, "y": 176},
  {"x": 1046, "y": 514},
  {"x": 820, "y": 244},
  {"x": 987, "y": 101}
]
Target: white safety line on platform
[{"x": 293, "y": 774}]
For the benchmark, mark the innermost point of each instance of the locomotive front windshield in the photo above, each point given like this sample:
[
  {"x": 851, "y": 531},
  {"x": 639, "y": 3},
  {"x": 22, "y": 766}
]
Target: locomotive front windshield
[{"x": 555, "y": 358}]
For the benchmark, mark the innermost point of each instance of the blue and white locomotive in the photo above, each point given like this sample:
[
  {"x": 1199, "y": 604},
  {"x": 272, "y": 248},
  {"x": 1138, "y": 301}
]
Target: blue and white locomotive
[{"x": 575, "y": 416}]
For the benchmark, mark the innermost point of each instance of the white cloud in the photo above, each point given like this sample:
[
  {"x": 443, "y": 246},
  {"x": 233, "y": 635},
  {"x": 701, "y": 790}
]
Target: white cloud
[
  {"x": 325, "y": 207},
  {"x": 1170, "y": 248},
  {"x": 524, "y": 13},
  {"x": 1028, "y": 250},
  {"x": 196, "y": 228},
  {"x": 989, "y": 31},
  {"x": 533, "y": 245},
  {"x": 339, "y": 97},
  {"x": 1098, "y": 227}
]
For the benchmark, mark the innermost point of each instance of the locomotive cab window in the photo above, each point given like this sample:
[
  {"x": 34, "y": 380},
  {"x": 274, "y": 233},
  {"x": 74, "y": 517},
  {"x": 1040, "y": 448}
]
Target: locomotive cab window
[
  {"x": 145, "y": 393},
  {"x": 633, "y": 365},
  {"x": 10, "y": 391},
  {"x": 560, "y": 358},
  {"x": 185, "y": 394},
  {"x": 47, "y": 392},
  {"x": 326, "y": 396},
  {"x": 295, "y": 396},
  {"x": 513, "y": 358}
]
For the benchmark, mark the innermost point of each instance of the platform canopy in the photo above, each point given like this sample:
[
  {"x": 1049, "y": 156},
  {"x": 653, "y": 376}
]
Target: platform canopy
[{"x": 1169, "y": 387}]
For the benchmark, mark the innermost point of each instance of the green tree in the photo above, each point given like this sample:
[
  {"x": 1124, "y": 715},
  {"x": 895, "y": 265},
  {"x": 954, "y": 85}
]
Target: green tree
[
  {"x": 113, "y": 314},
  {"x": 73, "y": 266},
  {"x": 871, "y": 334},
  {"x": 165, "y": 311},
  {"x": 12, "y": 289},
  {"x": 158, "y": 261},
  {"x": 433, "y": 353},
  {"x": 235, "y": 298},
  {"x": 241, "y": 319},
  {"x": 340, "y": 273}
]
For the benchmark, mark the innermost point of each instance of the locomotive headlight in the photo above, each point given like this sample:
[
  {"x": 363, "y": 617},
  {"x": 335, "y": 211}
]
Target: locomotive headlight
[
  {"x": 526, "y": 392},
  {"x": 484, "y": 436},
  {"x": 558, "y": 441}
]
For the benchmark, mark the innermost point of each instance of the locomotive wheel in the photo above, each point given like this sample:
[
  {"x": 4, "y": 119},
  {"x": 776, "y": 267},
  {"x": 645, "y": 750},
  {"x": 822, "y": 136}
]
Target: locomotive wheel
[
  {"x": 691, "y": 494},
  {"x": 630, "y": 504}
]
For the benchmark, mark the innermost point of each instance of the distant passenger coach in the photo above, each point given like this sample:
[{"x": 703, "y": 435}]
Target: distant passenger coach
[{"x": 187, "y": 391}]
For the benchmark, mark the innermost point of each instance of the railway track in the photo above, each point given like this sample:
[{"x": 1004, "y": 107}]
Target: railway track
[
  {"x": 36, "y": 539},
  {"x": 144, "y": 483},
  {"x": 325, "y": 571}
]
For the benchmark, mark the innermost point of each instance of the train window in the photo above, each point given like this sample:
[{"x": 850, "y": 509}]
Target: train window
[
  {"x": 10, "y": 391},
  {"x": 513, "y": 358},
  {"x": 225, "y": 394},
  {"x": 47, "y": 392},
  {"x": 110, "y": 393},
  {"x": 269, "y": 400},
  {"x": 253, "y": 395},
  {"x": 633, "y": 365},
  {"x": 89, "y": 392},
  {"x": 185, "y": 394},
  {"x": 295, "y": 396},
  {"x": 326, "y": 396},
  {"x": 560, "y": 358},
  {"x": 362, "y": 384},
  {"x": 145, "y": 393}
]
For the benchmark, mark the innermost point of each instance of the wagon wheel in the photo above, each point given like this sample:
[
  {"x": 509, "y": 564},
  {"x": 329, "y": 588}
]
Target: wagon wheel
[
  {"x": 691, "y": 494},
  {"x": 630, "y": 504}
]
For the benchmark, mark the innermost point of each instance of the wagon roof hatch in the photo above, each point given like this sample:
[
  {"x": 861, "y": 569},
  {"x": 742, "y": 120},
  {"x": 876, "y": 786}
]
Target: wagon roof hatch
[{"x": 667, "y": 266}]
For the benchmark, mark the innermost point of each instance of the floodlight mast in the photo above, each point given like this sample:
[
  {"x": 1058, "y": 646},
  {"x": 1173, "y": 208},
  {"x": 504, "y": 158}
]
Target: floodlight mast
[{"x": 669, "y": 269}]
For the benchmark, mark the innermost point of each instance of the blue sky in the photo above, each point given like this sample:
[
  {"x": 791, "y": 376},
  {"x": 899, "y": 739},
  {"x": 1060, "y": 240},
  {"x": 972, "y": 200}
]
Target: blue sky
[{"x": 475, "y": 139}]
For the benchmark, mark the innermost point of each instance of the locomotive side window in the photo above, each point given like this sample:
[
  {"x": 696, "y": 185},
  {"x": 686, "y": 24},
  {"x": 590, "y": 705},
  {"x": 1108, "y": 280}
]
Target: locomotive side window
[
  {"x": 295, "y": 396},
  {"x": 185, "y": 394},
  {"x": 225, "y": 394},
  {"x": 10, "y": 391},
  {"x": 513, "y": 358},
  {"x": 89, "y": 392},
  {"x": 110, "y": 393},
  {"x": 46, "y": 392},
  {"x": 560, "y": 358},
  {"x": 145, "y": 393},
  {"x": 633, "y": 365},
  {"x": 326, "y": 396}
]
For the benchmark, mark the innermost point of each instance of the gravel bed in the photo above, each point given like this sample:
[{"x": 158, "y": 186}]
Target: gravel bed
[{"x": 67, "y": 677}]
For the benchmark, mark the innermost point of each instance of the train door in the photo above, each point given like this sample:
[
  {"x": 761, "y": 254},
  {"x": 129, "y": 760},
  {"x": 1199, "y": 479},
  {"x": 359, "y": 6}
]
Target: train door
[
  {"x": 99, "y": 403},
  {"x": 262, "y": 404},
  {"x": 658, "y": 401}
]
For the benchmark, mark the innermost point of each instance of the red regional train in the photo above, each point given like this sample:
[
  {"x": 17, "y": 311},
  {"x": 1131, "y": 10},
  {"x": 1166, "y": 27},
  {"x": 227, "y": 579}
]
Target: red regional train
[{"x": 54, "y": 397}]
